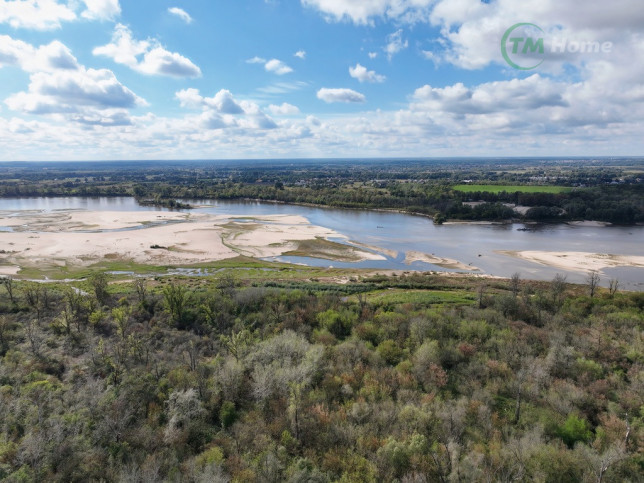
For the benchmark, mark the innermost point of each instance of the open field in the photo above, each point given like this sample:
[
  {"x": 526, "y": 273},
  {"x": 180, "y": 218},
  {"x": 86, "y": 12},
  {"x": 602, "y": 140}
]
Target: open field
[{"x": 488, "y": 188}]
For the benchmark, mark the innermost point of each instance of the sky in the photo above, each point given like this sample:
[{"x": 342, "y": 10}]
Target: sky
[{"x": 225, "y": 79}]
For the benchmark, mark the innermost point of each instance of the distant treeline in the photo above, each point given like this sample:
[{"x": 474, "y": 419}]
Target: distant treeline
[{"x": 609, "y": 194}]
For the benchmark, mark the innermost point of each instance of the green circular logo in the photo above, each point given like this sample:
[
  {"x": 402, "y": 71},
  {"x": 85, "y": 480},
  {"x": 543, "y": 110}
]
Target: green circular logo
[{"x": 522, "y": 48}]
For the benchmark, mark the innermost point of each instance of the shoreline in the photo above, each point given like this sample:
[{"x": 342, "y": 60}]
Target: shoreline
[
  {"x": 449, "y": 221},
  {"x": 576, "y": 261}
]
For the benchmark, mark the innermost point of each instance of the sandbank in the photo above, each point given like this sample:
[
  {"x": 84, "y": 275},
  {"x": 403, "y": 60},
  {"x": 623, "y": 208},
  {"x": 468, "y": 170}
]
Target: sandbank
[
  {"x": 576, "y": 261},
  {"x": 413, "y": 256},
  {"x": 82, "y": 238}
]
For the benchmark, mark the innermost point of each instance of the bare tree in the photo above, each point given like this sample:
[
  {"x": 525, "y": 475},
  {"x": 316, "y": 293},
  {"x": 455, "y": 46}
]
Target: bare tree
[
  {"x": 4, "y": 335},
  {"x": 481, "y": 294},
  {"x": 613, "y": 284},
  {"x": 593, "y": 282},
  {"x": 140, "y": 285},
  {"x": 226, "y": 285},
  {"x": 8, "y": 285},
  {"x": 557, "y": 290},
  {"x": 33, "y": 294},
  {"x": 515, "y": 281}
]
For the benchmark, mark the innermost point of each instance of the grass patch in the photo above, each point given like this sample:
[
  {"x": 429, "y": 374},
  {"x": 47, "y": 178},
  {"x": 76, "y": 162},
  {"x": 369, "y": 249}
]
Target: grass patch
[
  {"x": 325, "y": 249},
  {"x": 489, "y": 188},
  {"x": 421, "y": 297}
]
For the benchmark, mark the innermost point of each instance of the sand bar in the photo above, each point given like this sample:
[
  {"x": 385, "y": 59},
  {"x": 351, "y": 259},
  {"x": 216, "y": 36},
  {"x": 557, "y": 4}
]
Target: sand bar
[
  {"x": 81, "y": 238},
  {"x": 413, "y": 256},
  {"x": 577, "y": 261}
]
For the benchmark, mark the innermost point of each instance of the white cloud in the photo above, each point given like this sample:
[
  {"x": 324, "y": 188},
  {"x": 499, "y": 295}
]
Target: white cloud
[
  {"x": 46, "y": 58},
  {"x": 101, "y": 9},
  {"x": 300, "y": 54},
  {"x": 60, "y": 87},
  {"x": 365, "y": 11},
  {"x": 373, "y": 55},
  {"x": 156, "y": 60},
  {"x": 182, "y": 14},
  {"x": 88, "y": 96},
  {"x": 277, "y": 66},
  {"x": 274, "y": 65},
  {"x": 395, "y": 44},
  {"x": 471, "y": 31},
  {"x": 281, "y": 88},
  {"x": 222, "y": 102},
  {"x": 224, "y": 111},
  {"x": 285, "y": 109},
  {"x": 35, "y": 14},
  {"x": 363, "y": 75},
  {"x": 340, "y": 95},
  {"x": 159, "y": 61}
]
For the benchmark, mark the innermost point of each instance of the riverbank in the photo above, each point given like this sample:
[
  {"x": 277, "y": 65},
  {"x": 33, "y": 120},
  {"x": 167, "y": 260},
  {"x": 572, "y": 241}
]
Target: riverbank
[
  {"x": 82, "y": 238},
  {"x": 577, "y": 261}
]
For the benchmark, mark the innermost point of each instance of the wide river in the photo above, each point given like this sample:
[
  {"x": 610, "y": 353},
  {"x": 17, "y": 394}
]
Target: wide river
[{"x": 469, "y": 243}]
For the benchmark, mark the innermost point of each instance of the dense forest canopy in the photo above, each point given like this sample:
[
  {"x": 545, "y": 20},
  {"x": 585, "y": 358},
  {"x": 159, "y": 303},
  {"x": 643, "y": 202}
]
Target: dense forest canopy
[{"x": 412, "y": 378}]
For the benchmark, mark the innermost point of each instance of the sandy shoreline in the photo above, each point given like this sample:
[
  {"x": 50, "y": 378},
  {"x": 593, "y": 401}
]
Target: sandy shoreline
[
  {"x": 82, "y": 238},
  {"x": 576, "y": 261},
  {"x": 413, "y": 256}
]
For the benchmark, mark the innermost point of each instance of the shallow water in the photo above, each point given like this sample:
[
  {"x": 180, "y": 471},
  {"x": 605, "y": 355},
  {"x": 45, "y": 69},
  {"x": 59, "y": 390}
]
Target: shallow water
[{"x": 473, "y": 244}]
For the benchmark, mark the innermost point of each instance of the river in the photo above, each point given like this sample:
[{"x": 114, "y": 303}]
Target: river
[{"x": 470, "y": 243}]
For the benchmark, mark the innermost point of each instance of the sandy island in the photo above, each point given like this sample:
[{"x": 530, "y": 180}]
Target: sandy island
[
  {"x": 413, "y": 256},
  {"x": 576, "y": 261},
  {"x": 81, "y": 238}
]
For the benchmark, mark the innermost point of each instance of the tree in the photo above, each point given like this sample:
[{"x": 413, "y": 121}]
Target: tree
[
  {"x": 34, "y": 297},
  {"x": 4, "y": 335},
  {"x": 176, "y": 298},
  {"x": 121, "y": 316},
  {"x": 613, "y": 284},
  {"x": 98, "y": 280},
  {"x": 140, "y": 286},
  {"x": 557, "y": 290},
  {"x": 8, "y": 285},
  {"x": 593, "y": 282},
  {"x": 515, "y": 282}
]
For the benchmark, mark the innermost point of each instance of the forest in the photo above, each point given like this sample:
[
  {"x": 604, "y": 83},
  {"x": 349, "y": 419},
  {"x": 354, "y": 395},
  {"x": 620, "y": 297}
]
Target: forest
[
  {"x": 609, "y": 190},
  {"x": 410, "y": 378}
]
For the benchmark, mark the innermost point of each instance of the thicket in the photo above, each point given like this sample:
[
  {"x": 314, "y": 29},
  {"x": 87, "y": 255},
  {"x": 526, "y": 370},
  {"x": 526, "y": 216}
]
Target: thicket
[{"x": 185, "y": 380}]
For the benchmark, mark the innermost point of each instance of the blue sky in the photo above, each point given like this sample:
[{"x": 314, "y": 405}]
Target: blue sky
[{"x": 156, "y": 79}]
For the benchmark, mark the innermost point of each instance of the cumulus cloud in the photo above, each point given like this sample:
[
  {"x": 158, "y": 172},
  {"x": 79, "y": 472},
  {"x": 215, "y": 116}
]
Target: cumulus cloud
[
  {"x": 285, "y": 109},
  {"x": 82, "y": 92},
  {"x": 277, "y": 66},
  {"x": 534, "y": 92},
  {"x": 182, "y": 14},
  {"x": 471, "y": 31},
  {"x": 60, "y": 87},
  {"x": 274, "y": 65},
  {"x": 395, "y": 44},
  {"x": 146, "y": 56},
  {"x": 101, "y": 9},
  {"x": 50, "y": 57},
  {"x": 365, "y": 11},
  {"x": 363, "y": 75},
  {"x": 223, "y": 111},
  {"x": 340, "y": 95},
  {"x": 35, "y": 14},
  {"x": 300, "y": 54}
]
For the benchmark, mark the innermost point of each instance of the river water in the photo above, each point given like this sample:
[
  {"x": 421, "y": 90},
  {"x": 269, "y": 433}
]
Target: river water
[{"x": 474, "y": 244}]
